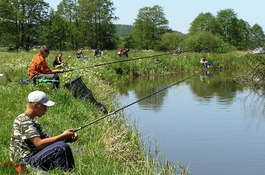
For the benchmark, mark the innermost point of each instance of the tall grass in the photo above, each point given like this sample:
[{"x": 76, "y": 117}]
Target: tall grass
[{"x": 112, "y": 145}]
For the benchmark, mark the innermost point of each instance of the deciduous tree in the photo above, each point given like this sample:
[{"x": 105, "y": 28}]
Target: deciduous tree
[
  {"x": 149, "y": 26},
  {"x": 205, "y": 22},
  {"x": 257, "y": 36}
]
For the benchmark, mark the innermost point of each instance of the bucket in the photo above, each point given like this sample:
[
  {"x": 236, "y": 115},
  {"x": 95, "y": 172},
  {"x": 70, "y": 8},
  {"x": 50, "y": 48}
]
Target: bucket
[{"x": 86, "y": 58}]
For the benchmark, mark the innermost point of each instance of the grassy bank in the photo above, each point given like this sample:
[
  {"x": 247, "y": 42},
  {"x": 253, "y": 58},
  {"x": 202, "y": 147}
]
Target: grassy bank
[{"x": 112, "y": 145}]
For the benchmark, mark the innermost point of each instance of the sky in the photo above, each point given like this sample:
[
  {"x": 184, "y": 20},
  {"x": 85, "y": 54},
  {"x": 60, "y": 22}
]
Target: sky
[{"x": 180, "y": 13}]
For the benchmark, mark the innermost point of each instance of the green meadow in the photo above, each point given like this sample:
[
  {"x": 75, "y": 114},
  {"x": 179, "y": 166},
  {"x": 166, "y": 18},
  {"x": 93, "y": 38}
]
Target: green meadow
[{"x": 112, "y": 145}]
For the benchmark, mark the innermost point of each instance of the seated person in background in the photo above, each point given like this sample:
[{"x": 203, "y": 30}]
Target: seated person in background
[
  {"x": 177, "y": 52},
  {"x": 119, "y": 52},
  {"x": 206, "y": 63},
  {"x": 97, "y": 53},
  {"x": 58, "y": 61},
  {"x": 79, "y": 54},
  {"x": 125, "y": 52},
  {"x": 158, "y": 61},
  {"x": 38, "y": 67},
  {"x": 30, "y": 144}
]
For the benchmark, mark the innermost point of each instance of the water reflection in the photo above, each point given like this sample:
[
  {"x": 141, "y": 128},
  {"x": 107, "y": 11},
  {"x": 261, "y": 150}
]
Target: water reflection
[
  {"x": 214, "y": 125},
  {"x": 211, "y": 85},
  {"x": 254, "y": 111}
]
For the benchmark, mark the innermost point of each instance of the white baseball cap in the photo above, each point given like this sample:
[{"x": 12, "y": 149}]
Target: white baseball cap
[{"x": 39, "y": 97}]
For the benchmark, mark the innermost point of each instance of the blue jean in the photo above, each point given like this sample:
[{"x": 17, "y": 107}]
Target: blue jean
[
  {"x": 209, "y": 63},
  {"x": 57, "y": 155}
]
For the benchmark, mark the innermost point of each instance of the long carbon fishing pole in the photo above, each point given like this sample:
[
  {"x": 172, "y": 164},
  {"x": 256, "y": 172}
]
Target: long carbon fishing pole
[
  {"x": 109, "y": 114},
  {"x": 115, "y": 62}
]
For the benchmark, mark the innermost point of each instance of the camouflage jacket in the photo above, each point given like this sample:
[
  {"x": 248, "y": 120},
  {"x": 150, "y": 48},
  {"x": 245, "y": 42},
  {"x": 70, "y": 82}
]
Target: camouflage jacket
[{"x": 24, "y": 128}]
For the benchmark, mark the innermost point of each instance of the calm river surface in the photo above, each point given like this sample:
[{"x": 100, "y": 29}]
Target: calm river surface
[{"x": 211, "y": 124}]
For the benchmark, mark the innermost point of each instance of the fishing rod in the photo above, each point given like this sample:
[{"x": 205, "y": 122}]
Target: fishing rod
[
  {"x": 114, "y": 112},
  {"x": 116, "y": 62},
  {"x": 127, "y": 60}
]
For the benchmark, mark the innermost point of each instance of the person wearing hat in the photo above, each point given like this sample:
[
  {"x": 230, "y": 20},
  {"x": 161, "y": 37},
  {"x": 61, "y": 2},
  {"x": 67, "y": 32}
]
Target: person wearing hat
[
  {"x": 30, "y": 144},
  {"x": 38, "y": 67}
]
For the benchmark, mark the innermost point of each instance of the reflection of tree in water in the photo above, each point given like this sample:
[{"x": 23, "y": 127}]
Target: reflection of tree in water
[
  {"x": 254, "y": 107},
  {"x": 221, "y": 88},
  {"x": 144, "y": 87},
  {"x": 224, "y": 89},
  {"x": 148, "y": 86}
]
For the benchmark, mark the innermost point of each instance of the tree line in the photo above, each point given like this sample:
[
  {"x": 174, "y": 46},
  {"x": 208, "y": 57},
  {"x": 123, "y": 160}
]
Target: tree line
[{"x": 89, "y": 23}]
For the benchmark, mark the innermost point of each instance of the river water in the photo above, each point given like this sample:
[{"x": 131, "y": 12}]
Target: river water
[{"x": 208, "y": 123}]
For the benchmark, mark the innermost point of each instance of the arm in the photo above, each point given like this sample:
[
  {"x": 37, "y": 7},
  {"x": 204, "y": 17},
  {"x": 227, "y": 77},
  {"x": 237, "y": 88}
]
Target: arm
[
  {"x": 55, "y": 71},
  {"x": 42, "y": 143},
  {"x": 58, "y": 59}
]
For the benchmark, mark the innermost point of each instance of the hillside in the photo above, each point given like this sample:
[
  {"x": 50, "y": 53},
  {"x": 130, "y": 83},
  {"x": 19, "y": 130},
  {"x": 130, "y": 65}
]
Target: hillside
[{"x": 124, "y": 30}]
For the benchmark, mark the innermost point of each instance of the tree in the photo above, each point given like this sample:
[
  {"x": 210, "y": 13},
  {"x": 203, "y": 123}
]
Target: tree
[
  {"x": 206, "y": 42},
  {"x": 56, "y": 32},
  {"x": 25, "y": 18},
  {"x": 170, "y": 41},
  {"x": 205, "y": 22},
  {"x": 97, "y": 28},
  {"x": 244, "y": 35},
  {"x": 229, "y": 26},
  {"x": 257, "y": 36},
  {"x": 149, "y": 26},
  {"x": 70, "y": 12}
]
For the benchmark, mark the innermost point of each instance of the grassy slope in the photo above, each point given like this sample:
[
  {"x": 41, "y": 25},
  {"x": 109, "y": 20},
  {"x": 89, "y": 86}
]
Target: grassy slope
[{"x": 110, "y": 146}]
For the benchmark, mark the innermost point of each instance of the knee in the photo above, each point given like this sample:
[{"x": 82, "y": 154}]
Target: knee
[
  {"x": 55, "y": 77},
  {"x": 61, "y": 145}
]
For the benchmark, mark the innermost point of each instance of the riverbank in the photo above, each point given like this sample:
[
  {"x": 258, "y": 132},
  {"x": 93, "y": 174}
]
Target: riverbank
[{"x": 112, "y": 145}]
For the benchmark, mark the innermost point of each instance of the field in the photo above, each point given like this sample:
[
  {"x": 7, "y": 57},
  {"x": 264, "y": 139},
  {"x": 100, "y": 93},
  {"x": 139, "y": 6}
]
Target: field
[{"x": 112, "y": 145}]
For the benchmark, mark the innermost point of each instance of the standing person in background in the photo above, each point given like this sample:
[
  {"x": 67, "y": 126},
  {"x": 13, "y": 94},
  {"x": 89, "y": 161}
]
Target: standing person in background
[
  {"x": 30, "y": 144},
  {"x": 58, "y": 61},
  {"x": 38, "y": 67}
]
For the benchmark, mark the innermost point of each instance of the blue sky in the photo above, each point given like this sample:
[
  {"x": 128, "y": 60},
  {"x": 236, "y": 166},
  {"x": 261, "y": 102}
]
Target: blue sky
[{"x": 180, "y": 13}]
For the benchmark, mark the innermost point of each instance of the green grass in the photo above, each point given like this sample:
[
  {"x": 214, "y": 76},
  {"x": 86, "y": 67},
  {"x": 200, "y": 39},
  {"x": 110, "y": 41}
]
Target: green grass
[{"x": 112, "y": 145}]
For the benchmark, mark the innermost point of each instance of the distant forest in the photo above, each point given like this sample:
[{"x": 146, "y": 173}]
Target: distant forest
[
  {"x": 89, "y": 24},
  {"x": 124, "y": 30}
]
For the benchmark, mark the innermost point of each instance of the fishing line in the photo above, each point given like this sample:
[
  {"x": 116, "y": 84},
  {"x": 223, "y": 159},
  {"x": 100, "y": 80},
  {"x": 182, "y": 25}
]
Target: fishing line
[
  {"x": 115, "y": 62},
  {"x": 127, "y": 60},
  {"x": 114, "y": 112}
]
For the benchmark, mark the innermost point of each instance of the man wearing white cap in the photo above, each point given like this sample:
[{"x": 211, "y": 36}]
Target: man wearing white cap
[{"x": 30, "y": 144}]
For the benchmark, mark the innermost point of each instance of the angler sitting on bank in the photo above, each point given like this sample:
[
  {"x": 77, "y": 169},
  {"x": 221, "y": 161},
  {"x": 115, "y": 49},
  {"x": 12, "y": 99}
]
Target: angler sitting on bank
[
  {"x": 58, "y": 61},
  {"x": 30, "y": 144},
  {"x": 97, "y": 53},
  {"x": 38, "y": 68},
  {"x": 79, "y": 54},
  {"x": 158, "y": 61},
  {"x": 119, "y": 52},
  {"x": 177, "y": 52},
  {"x": 205, "y": 63},
  {"x": 125, "y": 52}
]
